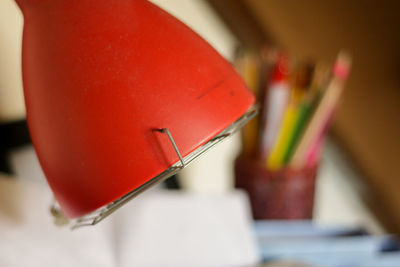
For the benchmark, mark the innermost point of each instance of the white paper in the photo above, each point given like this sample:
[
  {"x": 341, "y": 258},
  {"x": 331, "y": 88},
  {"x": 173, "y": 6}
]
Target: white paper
[
  {"x": 25, "y": 164},
  {"x": 28, "y": 236},
  {"x": 182, "y": 229},
  {"x": 158, "y": 228}
]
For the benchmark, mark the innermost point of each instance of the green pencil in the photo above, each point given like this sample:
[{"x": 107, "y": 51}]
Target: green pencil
[{"x": 306, "y": 109}]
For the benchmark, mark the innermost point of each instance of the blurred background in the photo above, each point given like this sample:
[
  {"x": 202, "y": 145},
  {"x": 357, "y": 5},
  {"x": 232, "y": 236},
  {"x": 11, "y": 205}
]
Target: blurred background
[{"x": 358, "y": 183}]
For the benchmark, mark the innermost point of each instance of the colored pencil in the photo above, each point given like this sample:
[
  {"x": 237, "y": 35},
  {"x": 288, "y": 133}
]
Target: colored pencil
[
  {"x": 250, "y": 74},
  {"x": 275, "y": 104},
  {"x": 287, "y": 130},
  {"x": 306, "y": 109},
  {"x": 323, "y": 113}
]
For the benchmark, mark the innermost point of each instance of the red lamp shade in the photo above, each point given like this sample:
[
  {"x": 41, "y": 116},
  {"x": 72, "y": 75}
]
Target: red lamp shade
[{"x": 99, "y": 78}]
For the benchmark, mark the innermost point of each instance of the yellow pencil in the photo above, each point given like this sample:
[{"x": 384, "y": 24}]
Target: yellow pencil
[
  {"x": 250, "y": 74},
  {"x": 302, "y": 79},
  {"x": 276, "y": 158},
  {"x": 323, "y": 113}
]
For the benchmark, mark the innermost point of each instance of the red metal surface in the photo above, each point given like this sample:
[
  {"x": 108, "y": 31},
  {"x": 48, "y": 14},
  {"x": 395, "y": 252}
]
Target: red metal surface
[{"x": 99, "y": 76}]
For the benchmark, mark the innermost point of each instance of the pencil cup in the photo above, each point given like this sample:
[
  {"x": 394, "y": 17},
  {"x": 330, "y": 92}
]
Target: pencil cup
[{"x": 284, "y": 194}]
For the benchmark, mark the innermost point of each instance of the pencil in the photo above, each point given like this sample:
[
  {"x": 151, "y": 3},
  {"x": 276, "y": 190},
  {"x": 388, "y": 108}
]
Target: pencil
[
  {"x": 323, "y": 112},
  {"x": 306, "y": 108},
  {"x": 275, "y": 159},
  {"x": 275, "y": 104},
  {"x": 250, "y": 74},
  {"x": 302, "y": 80}
]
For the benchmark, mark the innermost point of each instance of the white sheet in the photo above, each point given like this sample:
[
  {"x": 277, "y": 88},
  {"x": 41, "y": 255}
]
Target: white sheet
[
  {"x": 29, "y": 238},
  {"x": 157, "y": 229},
  {"x": 178, "y": 229}
]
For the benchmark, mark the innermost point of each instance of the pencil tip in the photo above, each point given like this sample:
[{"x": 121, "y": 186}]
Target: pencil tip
[{"x": 342, "y": 65}]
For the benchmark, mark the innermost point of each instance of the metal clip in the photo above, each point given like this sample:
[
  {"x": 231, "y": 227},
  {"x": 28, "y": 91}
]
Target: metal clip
[{"x": 165, "y": 130}]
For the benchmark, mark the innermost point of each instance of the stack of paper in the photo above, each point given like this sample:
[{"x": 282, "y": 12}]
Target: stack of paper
[{"x": 157, "y": 229}]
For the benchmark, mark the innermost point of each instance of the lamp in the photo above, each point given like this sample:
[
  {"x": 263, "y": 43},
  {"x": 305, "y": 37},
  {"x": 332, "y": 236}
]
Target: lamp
[{"x": 120, "y": 95}]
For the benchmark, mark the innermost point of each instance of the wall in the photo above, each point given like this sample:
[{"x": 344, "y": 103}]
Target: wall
[{"x": 11, "y": 95}]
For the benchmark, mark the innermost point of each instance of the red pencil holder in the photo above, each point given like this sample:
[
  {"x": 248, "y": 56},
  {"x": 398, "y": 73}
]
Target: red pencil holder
[{"x": 284, "y": 194}]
